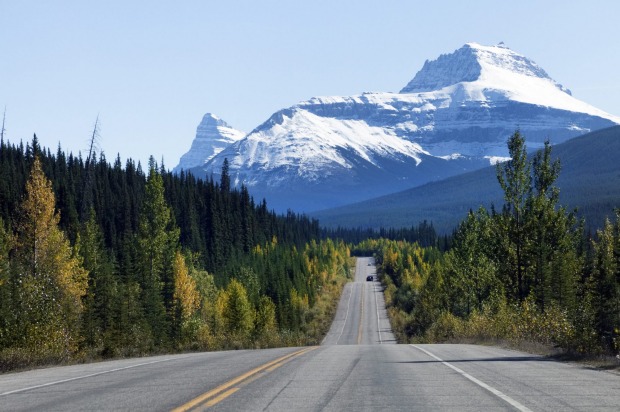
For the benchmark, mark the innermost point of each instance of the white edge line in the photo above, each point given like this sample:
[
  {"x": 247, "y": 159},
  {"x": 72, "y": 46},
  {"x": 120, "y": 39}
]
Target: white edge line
[
  {"x": 86, "y": 376},
  {"x": 478, "y": 382}
]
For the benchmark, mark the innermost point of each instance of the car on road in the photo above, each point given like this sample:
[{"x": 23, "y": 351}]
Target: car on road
[{"x": 369, "y": 278}]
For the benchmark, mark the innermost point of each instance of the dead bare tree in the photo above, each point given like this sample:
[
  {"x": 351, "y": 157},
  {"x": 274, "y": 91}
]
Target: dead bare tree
[
  {"x": 3, "y": 129},
  {"x": 94, "y": 140},
  {"x": 87, "y": 198}
]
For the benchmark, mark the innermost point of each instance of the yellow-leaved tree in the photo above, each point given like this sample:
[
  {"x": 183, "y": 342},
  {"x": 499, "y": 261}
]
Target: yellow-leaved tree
[
  {"x": 186, "y": 298},
  {"x": 237, "y": 311},
  {"x": 50, "y": 278}
]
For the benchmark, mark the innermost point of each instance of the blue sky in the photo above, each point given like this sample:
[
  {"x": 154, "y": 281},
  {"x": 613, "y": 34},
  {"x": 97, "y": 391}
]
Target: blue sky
[{"x": 152, "y": 69}]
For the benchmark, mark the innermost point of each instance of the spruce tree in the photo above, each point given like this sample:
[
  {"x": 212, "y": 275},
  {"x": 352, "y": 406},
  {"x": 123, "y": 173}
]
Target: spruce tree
[
  {"x": 157, "y": 243},
  {"x": 99, "y": 327},
  {"x": 555, "y": 236},
  {"x": 515, "y": 180}
]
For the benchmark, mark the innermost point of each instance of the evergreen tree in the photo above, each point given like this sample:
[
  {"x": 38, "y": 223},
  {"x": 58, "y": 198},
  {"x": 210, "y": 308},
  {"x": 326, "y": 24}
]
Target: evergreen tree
[
  {"x": 554, "y": 237},
  {"x": 470, "y": 265},
  {"x": 157, "y": 243},
  {"x": 606, "y": 279},
  {"x": 225, "y": 178},
  {"x": 99, "y": 328},
  {"x": 515, "y": 180},
  {"x": 536, "y": 240}
]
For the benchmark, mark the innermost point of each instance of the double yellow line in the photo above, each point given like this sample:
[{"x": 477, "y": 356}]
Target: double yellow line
[{"x": 223, "y": 391}]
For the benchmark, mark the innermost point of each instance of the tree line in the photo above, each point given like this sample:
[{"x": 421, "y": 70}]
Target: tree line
[
  {"x": 100, "y": 260},
  {"x": 424, "y": 234},
  {"x": 527, "y": 272}
]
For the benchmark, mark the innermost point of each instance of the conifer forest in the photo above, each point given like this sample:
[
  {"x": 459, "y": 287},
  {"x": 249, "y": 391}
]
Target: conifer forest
[{"x": 105, "y": 260}]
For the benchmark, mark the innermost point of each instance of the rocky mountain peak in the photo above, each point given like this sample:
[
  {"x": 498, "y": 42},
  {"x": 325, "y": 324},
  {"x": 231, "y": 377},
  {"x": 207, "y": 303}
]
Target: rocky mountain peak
[
  {"x": 212, "y": 136},
  {"x": 473, "y": 62},
  {"x": 210, "y": 120}
]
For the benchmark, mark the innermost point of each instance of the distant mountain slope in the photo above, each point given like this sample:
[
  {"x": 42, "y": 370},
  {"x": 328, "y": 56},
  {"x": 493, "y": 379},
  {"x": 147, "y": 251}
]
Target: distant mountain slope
[
  {"x": 589, "y": 180},
  {"x": 454, "y": 116}
]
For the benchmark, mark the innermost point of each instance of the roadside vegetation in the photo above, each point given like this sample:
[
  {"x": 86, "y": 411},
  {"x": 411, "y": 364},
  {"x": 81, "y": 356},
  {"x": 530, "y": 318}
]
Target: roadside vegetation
[
  {"x": 97, "y": 261},
  {"x": 526, "y": 274}
]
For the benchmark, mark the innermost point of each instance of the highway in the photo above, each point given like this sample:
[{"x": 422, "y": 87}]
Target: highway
[
  {"x": 357, "y": 368},
  {"x": 361, "y": 317}
]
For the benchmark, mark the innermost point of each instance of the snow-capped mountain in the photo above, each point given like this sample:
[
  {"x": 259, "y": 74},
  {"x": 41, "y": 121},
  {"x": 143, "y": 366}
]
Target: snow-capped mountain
[
  {"x": 212, "y": 136},
  {"x": 454, "y": 116}
]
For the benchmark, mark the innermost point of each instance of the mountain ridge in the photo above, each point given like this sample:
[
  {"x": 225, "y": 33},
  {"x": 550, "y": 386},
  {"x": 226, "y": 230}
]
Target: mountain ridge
[{"x": 342, "y": 149}]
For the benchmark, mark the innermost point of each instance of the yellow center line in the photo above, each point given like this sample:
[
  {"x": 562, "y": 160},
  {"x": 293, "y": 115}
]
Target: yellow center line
[
  {"x": 217, "y": 392},
  {"x": 220, "y": 397}
]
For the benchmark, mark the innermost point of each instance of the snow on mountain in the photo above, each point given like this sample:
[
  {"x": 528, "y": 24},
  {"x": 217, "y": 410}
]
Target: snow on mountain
[
  {"x": 212, "y": 136},
  {"x": 491, "y": 73},
  {"x": 455, "y": 115},
  {"x": 312, "y": 145}
]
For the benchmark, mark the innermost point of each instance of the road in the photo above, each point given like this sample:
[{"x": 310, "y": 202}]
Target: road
[
  {"x": 355, "y": 369},
  {"x": 361, "y": 317}
]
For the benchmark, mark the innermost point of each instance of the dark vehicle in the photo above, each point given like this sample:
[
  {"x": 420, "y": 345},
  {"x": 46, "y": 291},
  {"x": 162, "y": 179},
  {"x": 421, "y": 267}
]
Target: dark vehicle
[{"x": 369, "y": 278}]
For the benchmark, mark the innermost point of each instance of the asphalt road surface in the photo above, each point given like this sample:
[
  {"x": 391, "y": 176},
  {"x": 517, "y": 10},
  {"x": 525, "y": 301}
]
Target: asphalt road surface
[
  {"x": 355, "y": 369},
  {"x": 361, "y": 317}
]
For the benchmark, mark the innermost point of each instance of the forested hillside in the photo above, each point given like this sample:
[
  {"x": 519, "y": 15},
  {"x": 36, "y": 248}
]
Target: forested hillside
[
  {"x": 589, "y": 180},
  {"x": 526, "y": 273},
  {"x": 97, "y": 259}
]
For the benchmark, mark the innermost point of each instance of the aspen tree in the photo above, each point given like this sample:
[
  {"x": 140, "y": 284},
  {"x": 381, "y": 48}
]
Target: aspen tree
[
  {"x": 186, "y": 297},
  {"x": 51, "y": 280}
]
